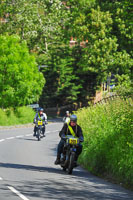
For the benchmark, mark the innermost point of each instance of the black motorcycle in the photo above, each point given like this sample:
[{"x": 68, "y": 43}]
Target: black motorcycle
[
  {"x": 69, "y": 153},
  {"x": 40, "y": 126}
]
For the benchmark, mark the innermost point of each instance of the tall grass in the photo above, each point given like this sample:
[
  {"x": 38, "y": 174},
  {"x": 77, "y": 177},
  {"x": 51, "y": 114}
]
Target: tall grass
[
  {"x": 21, "y": 115},
  {"x": 108, "y": 146}
]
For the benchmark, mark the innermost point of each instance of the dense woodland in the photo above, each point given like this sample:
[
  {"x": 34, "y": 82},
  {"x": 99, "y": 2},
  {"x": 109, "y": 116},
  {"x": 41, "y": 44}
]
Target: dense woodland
[{"x": 37, "y": 34}]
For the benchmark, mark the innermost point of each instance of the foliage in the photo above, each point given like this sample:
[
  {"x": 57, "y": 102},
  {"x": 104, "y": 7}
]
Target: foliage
[
  {"x": 101, "y": 53},
  {"x": 37, "y": 22},
  {"x": 20, "y": 81},
  {"x": 108, "y": 146},
  {"x": 21, "y": 115},
  {"x": 121, "y": 12},
  {"x": 124, "y": 85},
  {"x": 103, "y": 34},
  {"x": 63, "y": 89}
]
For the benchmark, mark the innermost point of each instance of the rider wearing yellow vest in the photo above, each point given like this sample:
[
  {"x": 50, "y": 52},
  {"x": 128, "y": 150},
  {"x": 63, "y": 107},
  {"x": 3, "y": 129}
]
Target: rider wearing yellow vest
[
  {"x": 70, "y": 128},
  {"x": 40, "y": 115}
]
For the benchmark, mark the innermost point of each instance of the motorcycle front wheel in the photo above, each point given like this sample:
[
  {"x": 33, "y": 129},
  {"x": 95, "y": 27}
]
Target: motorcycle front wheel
[
  {"x": 71, "y": 163},
  {"x": 39, "y": 135}
]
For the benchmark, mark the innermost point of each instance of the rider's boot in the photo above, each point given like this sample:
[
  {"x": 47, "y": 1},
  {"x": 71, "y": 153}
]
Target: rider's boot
[
  {"x": 44, "y": 134},
  {"x": 34, "y": 133},
  {"x": 75, "y": 162},
  {"x": 57, "y": 161}
]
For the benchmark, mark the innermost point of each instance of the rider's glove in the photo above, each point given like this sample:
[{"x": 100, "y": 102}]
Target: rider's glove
[
  {"x": 63, "y": 136},
  {"x": 81, "y": 139}
]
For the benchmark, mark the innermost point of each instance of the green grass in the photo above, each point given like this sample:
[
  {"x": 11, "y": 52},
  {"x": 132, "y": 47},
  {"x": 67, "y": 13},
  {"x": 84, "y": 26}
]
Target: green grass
[
  {"x": 108, "y": 146},
  {"x": 22, "y": 115}
]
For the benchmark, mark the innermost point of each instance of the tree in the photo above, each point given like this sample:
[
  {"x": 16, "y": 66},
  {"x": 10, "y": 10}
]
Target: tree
[
  {"x": 20, "y": 81},
  {"x": 61, "y": 79},
  {"x": 38, "y": 22},
  {"x": 102, "y": 53},
  {"x": 121, "y": 12},
  {"x": 73, "y": 74}
]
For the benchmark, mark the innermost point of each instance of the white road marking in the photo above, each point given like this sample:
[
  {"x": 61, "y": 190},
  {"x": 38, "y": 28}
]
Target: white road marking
[
  {"x": 19, "y": 136},
  {"x": 1, "y": 179},
  {"x": 18, "y": 193},
  {"x": 28, "y": 135},
  {"x": 10, "y": 138},
  {"x": 2, "y": 140}
]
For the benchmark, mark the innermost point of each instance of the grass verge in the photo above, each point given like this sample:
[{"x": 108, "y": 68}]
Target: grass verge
[
  {"x": 22, "y": 115},
  {"x": 108, "y": 145}
]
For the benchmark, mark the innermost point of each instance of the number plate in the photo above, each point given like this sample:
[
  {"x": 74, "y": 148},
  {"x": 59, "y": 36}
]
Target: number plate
[
  {"x": 39, "y": 122},
  {"x": 73, "y": 141}
]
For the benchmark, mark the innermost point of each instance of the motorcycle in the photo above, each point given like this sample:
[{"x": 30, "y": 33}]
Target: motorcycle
[
  {"x": 69, "y": 153},
  {"x": 40, "y": 125}
]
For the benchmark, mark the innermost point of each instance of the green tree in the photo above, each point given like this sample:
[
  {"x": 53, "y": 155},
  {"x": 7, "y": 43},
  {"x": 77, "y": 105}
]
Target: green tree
[
  {"x": 61, "y": 86},
  {"x": 47, "y": 26},
  {"x": 122, "y": 28},
  {"x": 101, "y": 54},
  {"x": 20, "y": 81},
  {"x": 124, "y": 85},
  {"x": 37, "y": 22}
]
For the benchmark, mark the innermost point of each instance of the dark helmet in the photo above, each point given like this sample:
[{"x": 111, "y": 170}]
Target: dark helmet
[
  {"x": 73, "y": 118},
  {"x": 40, "y": 110}
]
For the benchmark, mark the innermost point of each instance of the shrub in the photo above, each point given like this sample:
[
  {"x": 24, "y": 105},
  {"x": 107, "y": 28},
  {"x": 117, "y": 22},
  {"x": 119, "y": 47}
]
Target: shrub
[
  {"x": 20, "y": 115},
  {"x": 108, "y": 146}
]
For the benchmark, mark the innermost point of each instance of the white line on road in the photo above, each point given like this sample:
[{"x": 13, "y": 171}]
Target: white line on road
[
  {"x": 18, "y": 193},
  {"x": 10, "y": 138},
  {"x": 2, "y": 140},
  {"x": 1, "y": 179},
  {"x": 19, "y": 136},
  {"x": 28, "y": 134}
]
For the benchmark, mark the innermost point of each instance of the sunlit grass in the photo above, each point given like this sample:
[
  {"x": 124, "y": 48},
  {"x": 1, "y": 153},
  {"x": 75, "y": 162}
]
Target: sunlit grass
[
  {"x": 108, "y": 146},
  {"x": 21, "y": 115}
]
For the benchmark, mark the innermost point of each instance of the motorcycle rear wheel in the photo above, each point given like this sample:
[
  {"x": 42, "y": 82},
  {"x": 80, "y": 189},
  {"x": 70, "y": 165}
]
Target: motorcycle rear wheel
[{"x": 71, "y": 163}]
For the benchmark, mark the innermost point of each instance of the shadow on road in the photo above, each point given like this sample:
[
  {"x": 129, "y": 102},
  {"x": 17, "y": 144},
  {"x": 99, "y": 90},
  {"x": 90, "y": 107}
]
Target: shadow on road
[
  {"x": 30, "y": 167},
  {"x": 80, "y": 185},
  {"x": 76, "y": 172}
]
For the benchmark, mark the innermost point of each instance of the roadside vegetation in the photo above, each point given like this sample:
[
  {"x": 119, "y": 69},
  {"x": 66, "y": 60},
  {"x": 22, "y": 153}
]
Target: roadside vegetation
[
  {"x": 108, "y": 146},
  {"x": 21, "y": 115}
]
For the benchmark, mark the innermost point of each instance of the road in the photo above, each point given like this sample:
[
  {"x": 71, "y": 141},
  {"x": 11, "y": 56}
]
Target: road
[{"x": 27, "y": 171}]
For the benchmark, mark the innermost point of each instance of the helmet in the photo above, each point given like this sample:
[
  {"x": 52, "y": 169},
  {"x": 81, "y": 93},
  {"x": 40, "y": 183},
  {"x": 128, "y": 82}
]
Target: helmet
[
  {"x": 40, "y": 110},
  {"x": 73, "y": 118}
]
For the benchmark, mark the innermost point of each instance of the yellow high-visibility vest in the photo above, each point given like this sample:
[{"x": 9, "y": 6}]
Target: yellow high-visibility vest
[{"x": 71, "y": 131}]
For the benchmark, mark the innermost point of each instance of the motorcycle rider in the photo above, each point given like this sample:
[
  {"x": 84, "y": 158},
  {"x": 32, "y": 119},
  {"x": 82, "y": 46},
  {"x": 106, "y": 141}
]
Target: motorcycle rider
[
  {"x": 40, "y": 115},
  {"x": 66, "y": 118},
  {"x": 68, "y": 129}
]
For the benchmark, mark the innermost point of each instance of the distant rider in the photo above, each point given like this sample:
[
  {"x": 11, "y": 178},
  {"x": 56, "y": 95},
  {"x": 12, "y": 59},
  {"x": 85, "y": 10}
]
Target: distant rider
[
  {"x": 40, "y": 115},
  {"x": 66, "y": 130},
  {"x": 66, "y": 118}
]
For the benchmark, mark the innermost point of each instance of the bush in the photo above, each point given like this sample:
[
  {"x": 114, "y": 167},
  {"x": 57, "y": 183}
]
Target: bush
[
  {"x": 108, "y": 134},
  {"x": 21, "y": 115}
]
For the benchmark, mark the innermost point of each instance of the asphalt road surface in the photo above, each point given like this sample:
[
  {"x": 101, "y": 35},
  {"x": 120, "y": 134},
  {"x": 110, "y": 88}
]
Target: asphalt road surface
[{"x": 27, "y": 171}]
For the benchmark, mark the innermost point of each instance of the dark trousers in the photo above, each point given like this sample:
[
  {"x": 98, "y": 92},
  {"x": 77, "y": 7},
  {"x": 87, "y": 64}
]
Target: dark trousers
[{"x": 61, "y": 145}]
